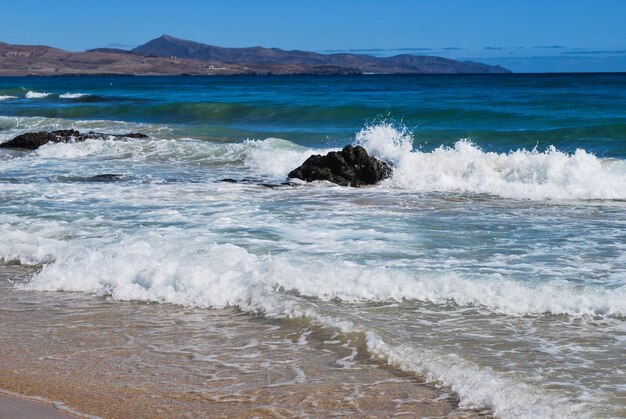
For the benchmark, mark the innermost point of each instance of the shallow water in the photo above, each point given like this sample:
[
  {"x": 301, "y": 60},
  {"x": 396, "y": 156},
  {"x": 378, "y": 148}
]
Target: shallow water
[
  {"x": 493, "y": 266},
  {"x": 110, "y": 358}
]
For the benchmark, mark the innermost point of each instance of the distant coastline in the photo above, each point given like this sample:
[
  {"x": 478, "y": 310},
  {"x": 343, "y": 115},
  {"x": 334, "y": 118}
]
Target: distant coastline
[{"x": 169, "y": 56}]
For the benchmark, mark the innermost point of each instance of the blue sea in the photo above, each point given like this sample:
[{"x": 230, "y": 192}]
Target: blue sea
[{"x": 491, "y": 265}]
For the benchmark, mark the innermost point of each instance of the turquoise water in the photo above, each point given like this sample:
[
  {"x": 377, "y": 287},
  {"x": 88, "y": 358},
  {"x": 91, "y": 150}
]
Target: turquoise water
[
  {"x": 493, "y": 262},
  {"x": 500, "y": 113}
]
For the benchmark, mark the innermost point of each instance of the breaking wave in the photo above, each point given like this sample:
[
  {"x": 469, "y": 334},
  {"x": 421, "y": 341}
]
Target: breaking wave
[
  {"x": 72, "y": 95},
  {"x": 36, "y": 95},
  {"x": 218, "y": 275},
  {"x": 190, "y": 273},
  {"x": 522, "y": 174}
]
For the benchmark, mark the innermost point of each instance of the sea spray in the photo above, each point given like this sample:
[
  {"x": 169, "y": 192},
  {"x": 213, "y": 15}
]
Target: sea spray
[
  {"x": 520, "y": 174},
  {"x": 387, "y": 141}
]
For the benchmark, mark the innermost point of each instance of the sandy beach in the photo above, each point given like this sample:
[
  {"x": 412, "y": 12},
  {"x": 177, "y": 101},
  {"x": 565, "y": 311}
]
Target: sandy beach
[
  {"x": 155, "y": 360},
  {"x": 16, "y": 407}
]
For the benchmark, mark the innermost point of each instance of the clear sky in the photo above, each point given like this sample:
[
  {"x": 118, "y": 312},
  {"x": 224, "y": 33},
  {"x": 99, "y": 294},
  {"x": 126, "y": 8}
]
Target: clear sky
[{"x": 587, "y": 34}]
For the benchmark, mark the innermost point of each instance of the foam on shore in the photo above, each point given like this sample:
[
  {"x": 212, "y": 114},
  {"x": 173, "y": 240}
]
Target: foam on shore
[{"x": 143, "y": 269}]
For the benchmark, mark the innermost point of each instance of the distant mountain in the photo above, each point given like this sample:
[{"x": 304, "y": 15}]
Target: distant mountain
[
  {"x": 167, "y": 55},
  {"x": 169, "y": 46},
  {"x": 38, "y": 60},
  {"x": 113, "y": 50}
]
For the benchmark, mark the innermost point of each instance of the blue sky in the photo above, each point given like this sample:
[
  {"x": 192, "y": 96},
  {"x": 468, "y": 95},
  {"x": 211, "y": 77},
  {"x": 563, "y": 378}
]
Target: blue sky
[{"x": 583, "y": 35}]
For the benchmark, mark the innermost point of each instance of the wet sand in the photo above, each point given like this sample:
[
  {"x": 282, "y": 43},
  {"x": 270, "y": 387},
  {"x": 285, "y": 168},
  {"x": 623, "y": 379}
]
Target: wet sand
[
  {"x": 15, "y": 407},
  {"x": 115, "y": 359}
]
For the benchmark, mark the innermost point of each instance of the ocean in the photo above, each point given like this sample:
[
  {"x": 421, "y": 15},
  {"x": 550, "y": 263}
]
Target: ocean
[{"x": 487, "y": 275}]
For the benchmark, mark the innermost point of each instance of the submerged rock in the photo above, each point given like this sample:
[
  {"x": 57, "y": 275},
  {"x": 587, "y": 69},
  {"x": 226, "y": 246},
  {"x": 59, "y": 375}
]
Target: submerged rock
[
  {"x": 351, "y": 166},
  {"x": 34, "y": 140},
  {"x": 257, "y": 182},
  {"x": 106, "y": 177}
]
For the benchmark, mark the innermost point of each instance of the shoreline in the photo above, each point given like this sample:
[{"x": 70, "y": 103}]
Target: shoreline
[
  {"x": 117, "y": 405},
  {"x": 104, "y": 358},
  {"x": 14, "y": 405}
]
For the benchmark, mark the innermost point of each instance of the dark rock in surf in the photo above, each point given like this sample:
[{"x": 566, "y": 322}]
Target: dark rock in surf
[
  {"x": 34, "y": 140},
  {"x": 132, "y": 135},
  {"x": 351, "y": 166},
  {"x": 107, "y": 177},
  {"x": 256, "y": 182}
]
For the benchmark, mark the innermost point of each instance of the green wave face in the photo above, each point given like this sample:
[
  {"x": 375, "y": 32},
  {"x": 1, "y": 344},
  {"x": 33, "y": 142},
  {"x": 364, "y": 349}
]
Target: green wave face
[{"x": 499, "y": 113}]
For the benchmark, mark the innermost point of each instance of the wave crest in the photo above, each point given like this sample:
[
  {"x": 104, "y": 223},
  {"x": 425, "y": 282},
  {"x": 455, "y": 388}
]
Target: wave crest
[
  {"x": 521, "y": 174},
  {"x": 204, "y": 274},
  {"x": 179, "y": 274},
  {"x": 72, "y": 95},
  {"x": 36, "y": 95}
]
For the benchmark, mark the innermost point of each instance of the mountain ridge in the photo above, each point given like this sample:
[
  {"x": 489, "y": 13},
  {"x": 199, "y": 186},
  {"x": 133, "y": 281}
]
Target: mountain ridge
[
  {"x": 167, "y": 45},
  {"x": 167, "y": 55}
]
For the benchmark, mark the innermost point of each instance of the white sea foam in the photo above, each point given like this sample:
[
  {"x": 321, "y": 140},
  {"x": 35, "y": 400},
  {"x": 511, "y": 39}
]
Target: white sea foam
[
  {"x": 72, "y": 95},
  {"x": 83, "y": 149},
  {"x": 476, "y": 386},
  {"x": 233, "y": 279},
  {"x": 272, "y": 157},
  {"x": 275, "y": 157},
  {"x": 522, "y": 174},
  {"x": 462, "y": 168},
  {"x": 36, "y": 95},
  {"x": 7, "y": 97},
  {"x": 11, "y": 126},
  {"x": 386, "y": 141},
  {"x": 143, "y": 268},
  {"x": 465, "y": 168},
  {"x": 179, "y": 267},
  {"x": 182, "y": 151},
  {"x": 352, "y": 283}
]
